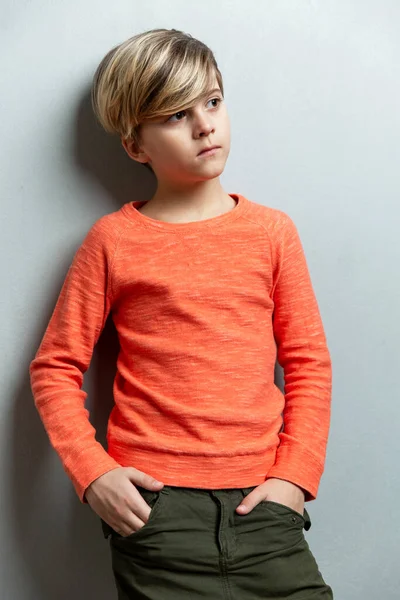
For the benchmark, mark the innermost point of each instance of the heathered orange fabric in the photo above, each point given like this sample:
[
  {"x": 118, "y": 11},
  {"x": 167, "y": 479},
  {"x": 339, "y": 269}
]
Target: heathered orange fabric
[{"x": 202, "y": 310}]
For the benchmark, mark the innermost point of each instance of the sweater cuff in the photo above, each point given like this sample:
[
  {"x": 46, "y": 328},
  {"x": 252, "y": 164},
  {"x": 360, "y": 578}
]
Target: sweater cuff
[
  {"x": 296, "y": 464},
  {"x": 90, "y": 469}
]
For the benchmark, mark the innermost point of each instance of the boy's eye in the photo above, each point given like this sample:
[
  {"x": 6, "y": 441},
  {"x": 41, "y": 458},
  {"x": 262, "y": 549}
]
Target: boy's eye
[{"x": 181, "y": 112}]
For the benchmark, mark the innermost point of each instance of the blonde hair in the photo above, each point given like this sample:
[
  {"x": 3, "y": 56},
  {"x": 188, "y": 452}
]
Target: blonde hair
[{"x": 152, "y": 74}]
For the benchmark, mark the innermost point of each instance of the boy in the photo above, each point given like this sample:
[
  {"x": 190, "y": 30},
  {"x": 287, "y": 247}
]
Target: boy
[{"x": 208, "y": 466}]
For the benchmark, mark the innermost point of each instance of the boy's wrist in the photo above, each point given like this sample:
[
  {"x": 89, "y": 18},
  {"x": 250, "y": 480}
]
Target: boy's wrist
[{"x": 293, "y": 484}]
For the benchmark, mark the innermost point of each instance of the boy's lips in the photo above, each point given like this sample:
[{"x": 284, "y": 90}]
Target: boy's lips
[{"x": 208, "y": 149}]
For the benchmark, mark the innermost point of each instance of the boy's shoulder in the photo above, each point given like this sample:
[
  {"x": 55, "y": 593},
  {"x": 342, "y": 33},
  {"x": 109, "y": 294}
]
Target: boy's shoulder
[
  {"x": 271, "y": 218},
  {"x": 107, "y": 229},
  {"x": 112, "y": 219}
]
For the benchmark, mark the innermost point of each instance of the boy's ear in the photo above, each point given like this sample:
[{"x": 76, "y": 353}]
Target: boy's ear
[{"x": 133, "y": 150}]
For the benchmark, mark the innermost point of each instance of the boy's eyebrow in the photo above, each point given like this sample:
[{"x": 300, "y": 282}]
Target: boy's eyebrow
[{"x": 212, "y": 91}]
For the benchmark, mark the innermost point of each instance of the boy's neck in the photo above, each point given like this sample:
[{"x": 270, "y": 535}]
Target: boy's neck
[{"x": 180, "y": 205}]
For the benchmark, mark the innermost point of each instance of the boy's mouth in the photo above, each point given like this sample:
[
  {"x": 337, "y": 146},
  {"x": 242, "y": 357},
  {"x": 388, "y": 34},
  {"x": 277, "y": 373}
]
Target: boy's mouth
[{"x": 209, "y": 150}]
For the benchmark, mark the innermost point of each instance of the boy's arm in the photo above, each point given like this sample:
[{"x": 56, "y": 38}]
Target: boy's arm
[
  {"x": 303, "y": 353},
  {"x": 65, "y": 352}
]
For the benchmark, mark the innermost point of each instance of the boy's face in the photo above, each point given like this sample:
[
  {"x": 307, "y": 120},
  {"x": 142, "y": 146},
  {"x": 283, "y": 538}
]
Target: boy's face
[{"x": 172, "y": 144}]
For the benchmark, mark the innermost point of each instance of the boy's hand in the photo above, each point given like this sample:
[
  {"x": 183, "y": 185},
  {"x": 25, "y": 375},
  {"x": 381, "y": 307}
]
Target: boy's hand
[
  {"x": 277, "y": 490},
  {"x": 117, "y": 501}
]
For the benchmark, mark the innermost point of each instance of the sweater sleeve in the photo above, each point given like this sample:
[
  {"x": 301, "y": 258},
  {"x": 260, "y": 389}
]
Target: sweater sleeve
[
  {"x": 303, "y": 354},
  {"x": 64, "y": 354}
]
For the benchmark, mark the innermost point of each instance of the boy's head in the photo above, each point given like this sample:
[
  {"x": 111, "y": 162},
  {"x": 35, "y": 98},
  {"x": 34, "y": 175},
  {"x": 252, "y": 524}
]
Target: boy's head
[{"x": 161, "y": 91}]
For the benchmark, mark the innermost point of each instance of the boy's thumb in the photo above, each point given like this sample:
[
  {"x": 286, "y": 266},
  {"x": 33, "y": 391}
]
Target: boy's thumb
[{"x": 142, "y": 479}]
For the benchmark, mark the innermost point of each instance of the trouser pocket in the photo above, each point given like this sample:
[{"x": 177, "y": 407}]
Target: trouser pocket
[
  {"x": 153, "y": 499},
  {"x": 282, "y": 510}
]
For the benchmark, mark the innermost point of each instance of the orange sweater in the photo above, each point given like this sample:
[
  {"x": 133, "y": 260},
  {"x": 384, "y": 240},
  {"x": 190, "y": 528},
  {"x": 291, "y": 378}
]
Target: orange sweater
[{"x": 203, "y": 310}]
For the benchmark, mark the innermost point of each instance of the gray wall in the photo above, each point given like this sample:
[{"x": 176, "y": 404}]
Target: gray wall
[{"x": 313, "y": 94}]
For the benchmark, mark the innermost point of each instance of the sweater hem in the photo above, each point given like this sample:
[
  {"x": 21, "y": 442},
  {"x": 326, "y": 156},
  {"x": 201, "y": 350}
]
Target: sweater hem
[{"x": 199, "y": 471}]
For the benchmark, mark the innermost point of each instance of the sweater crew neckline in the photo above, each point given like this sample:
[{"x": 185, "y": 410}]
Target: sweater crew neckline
[{"x": 131, "y": 210}]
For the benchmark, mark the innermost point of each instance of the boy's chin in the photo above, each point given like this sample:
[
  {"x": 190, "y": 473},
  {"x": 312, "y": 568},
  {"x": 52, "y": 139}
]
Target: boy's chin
[{"x": 211, "y": 171}]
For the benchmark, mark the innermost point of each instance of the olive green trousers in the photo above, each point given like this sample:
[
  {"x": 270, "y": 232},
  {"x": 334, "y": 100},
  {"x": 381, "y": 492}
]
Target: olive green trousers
[{"x": 195, "y": 546}]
